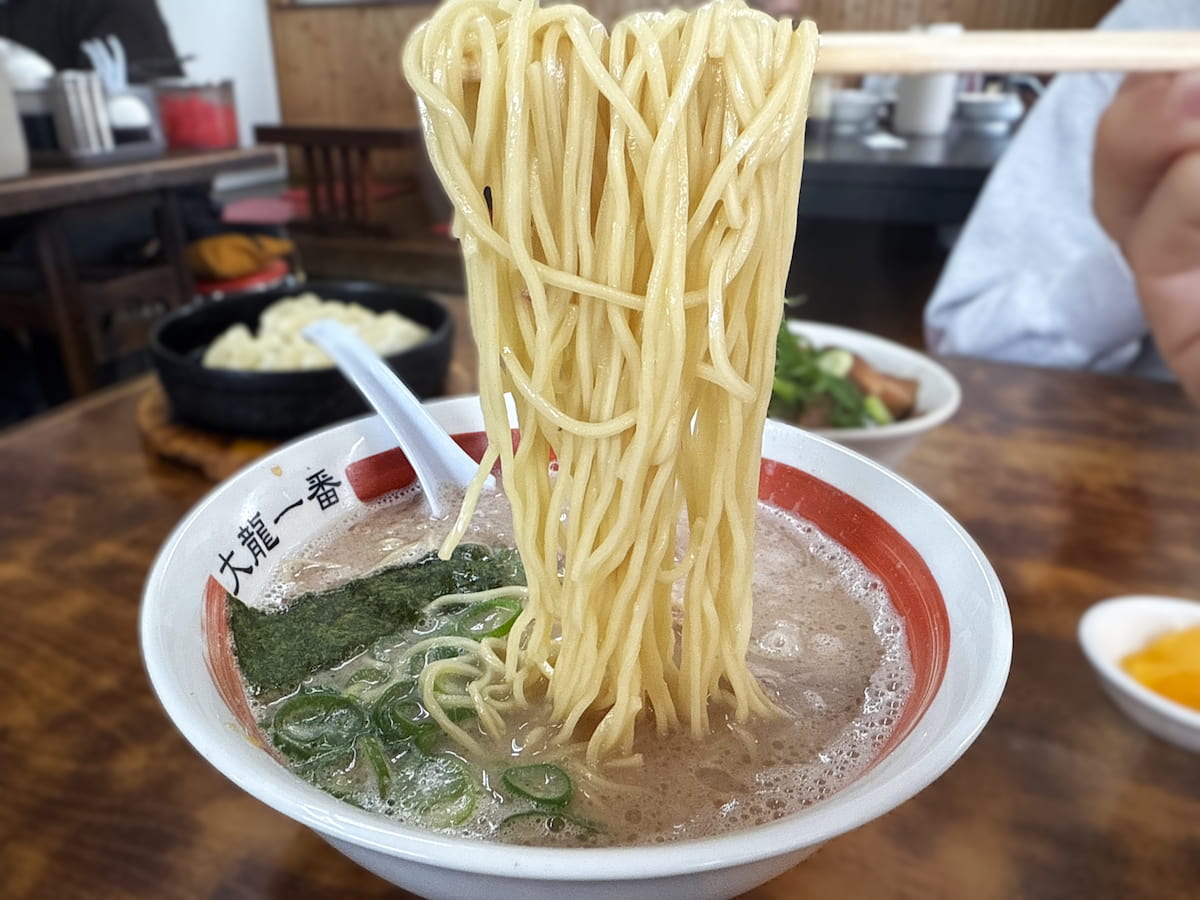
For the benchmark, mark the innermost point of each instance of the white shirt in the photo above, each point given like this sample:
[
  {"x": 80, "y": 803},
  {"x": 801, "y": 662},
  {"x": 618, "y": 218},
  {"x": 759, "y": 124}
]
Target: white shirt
[{"x": 1033, "y": 278}]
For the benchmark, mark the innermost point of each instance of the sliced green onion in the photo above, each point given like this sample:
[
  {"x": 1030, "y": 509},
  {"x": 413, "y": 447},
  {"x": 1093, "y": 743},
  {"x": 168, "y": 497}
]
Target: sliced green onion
[
  {"x": 398, "y": 715},
  {"x": 877, "y": 410},
  {"x": 429, "y": 739},
  {"x": 365, "y": 679},
  {"x": 835, "y": 361},
  {"x": 547, "y": 828},
  {"x": 543, "y": 783},
  {"x": 377, "y": 759},
  {"x": 490, "y": 618},
  {"x": 336, "y": 772},
  {"x": 452, "y": 684},
  {"x": 319, "y": 722},
  {"x": 440, "y": 790},
  {"x": 433, "y": 654}
]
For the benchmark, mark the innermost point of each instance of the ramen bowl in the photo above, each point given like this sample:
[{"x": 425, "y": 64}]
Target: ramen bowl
[
  {"x": 954, "y": 611},
  {"x": 938, "y": 392}
]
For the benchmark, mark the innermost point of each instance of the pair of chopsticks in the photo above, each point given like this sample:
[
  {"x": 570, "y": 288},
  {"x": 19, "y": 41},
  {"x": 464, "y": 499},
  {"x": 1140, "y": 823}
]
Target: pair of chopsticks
[{"x": 849, "y": 52}]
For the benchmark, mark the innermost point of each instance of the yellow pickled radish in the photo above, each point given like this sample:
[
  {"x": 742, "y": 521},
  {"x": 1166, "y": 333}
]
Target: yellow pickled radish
[{"x": 1170, "y": 665}]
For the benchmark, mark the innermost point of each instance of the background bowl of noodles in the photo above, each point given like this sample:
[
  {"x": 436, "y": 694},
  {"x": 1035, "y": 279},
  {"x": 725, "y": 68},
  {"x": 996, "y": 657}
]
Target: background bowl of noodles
[
  {"x": 286, "y": 403},
  {"x": 938, "y": 392},
  {"x": 953, "y": 610}
]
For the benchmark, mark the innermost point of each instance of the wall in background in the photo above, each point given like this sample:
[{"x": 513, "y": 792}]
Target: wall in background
[
  {"x": 882, "y": 15},
  {"x": 340, "y": 64},
  {"x": 230, "y": 39}
]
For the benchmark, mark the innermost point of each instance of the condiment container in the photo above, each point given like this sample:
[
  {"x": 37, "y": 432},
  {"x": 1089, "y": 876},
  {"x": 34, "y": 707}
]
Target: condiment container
[
  {"x": 989, "y": 112},
  {"x": 198, "y": 115},
  {"x": 820, "y": 97},
  {"x": 925, "y": 103},
  {"x": 80, "y": 112},
  {"x": 14, "y": 154}
]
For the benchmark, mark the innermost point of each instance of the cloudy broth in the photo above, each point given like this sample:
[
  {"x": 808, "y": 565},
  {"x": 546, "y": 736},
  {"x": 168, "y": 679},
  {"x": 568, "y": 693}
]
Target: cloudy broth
[{"x": 826, "y": 644}]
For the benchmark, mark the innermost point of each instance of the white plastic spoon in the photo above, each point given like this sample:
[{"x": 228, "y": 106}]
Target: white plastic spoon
[{"x": 435, "y": 457}]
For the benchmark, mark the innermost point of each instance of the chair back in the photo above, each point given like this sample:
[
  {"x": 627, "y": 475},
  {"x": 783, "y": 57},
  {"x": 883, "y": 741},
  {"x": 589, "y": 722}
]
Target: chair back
[{"x": 340, "y": 191}]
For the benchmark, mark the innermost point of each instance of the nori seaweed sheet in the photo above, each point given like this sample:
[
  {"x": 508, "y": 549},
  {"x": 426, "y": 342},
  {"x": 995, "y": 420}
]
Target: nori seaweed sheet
[{"x": 277, "y": 650}]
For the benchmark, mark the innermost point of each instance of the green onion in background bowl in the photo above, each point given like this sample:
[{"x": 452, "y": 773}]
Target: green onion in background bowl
[{"x": 820, "y": 374}]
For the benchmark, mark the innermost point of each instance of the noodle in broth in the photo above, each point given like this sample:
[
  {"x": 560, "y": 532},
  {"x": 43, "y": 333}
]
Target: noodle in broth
[{"x": 827, "y": 647}]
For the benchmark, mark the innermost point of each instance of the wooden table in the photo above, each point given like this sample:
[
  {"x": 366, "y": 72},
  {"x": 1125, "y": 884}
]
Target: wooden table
[
  {"x": 97, "y": 319},
  {"x": 1076, "y": 486}
]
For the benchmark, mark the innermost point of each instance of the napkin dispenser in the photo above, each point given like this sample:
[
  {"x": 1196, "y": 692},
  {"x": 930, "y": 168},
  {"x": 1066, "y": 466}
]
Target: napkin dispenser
[
  {"x": 80, "y": 113},
  {"x": 71, "y": 122}
]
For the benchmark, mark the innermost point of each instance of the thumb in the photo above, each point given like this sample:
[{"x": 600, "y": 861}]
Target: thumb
[
  {"x": 1163, "y": 249},
  {"x": 1149, "y": 123}
]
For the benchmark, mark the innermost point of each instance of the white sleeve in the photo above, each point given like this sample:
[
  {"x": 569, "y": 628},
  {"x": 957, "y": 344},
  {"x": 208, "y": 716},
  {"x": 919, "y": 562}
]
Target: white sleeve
[{"x": 1033, "y": 278}]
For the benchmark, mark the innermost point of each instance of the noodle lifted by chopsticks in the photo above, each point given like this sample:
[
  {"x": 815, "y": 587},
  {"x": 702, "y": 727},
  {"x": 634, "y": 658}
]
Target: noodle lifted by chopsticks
[{"x": 626, "y": 206}]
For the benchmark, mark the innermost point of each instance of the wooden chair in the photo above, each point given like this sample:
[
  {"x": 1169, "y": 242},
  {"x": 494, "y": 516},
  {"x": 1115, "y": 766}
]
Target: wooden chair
[
  {"x": 340, "y": 190},
  {"x": 349, "y": 223},
  {"x": 96, "y": 315}
]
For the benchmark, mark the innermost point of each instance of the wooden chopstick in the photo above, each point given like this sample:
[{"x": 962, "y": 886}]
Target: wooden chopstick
[{"x": 849, "y": 52}]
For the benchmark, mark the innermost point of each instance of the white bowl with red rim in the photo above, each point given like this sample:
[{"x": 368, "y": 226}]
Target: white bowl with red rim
[
  {"x": 954, "y": 610},
  {"x": 939, "y": 394}
]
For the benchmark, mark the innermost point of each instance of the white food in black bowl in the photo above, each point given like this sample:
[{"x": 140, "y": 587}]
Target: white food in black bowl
[{"x": 282, "y": 404}]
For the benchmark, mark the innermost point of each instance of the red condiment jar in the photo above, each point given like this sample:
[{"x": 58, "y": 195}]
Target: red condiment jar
[{"x": 198, "y": 115}]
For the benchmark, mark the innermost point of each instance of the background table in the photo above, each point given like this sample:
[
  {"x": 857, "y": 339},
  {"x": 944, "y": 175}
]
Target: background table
[
  {"x": 52, "y": 188},
  {"x": 97, "y": 319},
  {"x": 929, "y": 181},
  {"x": 1076, "y": 486}
]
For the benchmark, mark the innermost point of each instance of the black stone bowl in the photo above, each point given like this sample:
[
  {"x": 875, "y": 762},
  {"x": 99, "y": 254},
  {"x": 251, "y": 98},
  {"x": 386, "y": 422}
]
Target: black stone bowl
[{"x": 286, "y": 404}]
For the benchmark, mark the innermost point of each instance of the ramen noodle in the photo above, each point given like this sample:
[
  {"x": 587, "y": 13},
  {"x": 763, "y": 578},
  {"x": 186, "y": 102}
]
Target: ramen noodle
[{"x": 626, "y": 205}]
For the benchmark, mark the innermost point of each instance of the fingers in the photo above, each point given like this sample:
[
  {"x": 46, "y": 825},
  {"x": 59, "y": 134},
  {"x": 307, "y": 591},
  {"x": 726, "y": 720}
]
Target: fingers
[
  {"x": 1152, "y": 121},
  {"x": 1163, "y": 249}
]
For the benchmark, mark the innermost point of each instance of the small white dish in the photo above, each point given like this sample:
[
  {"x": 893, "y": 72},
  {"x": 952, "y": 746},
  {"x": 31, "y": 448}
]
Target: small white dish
[
  {"x": 1114, "y": 628},
  {"x": 989, "y": 112},
  {"x": 938, "y": 393},
  {"x": 854, "y": 111}
]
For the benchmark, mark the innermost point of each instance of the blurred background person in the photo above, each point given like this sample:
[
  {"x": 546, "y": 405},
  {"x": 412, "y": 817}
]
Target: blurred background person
[
  {"x": 56, "y": 29},
  {"x": 1034, "y": 278}
]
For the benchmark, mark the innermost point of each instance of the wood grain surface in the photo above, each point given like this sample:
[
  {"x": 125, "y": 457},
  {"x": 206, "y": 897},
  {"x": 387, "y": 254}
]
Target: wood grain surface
[
  {"x": 1077, "y": 487},
  {"x": 50, "y": 188}
]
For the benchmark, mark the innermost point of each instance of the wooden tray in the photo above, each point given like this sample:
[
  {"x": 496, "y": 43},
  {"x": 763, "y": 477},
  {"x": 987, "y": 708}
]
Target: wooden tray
[
  {"x": 219, "y": 455},
  {"x": 216, "y": 455}
]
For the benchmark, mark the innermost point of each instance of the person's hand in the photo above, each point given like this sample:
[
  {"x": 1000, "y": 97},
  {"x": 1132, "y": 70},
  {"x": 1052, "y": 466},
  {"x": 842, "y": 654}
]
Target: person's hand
[{"x": 1146, "y": 184}]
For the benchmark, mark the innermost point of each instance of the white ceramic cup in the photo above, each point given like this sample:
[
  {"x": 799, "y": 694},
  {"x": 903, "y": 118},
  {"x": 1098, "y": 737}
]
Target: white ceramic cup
[{"x": 925, "y": 103}]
